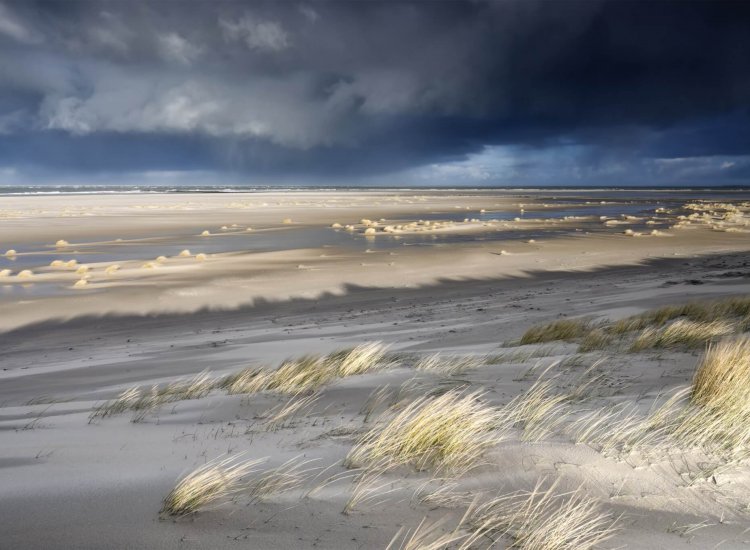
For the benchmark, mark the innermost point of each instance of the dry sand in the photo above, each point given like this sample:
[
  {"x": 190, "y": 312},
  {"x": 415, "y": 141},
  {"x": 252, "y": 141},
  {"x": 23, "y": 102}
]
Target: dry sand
[{"x": 68, "y": 483}]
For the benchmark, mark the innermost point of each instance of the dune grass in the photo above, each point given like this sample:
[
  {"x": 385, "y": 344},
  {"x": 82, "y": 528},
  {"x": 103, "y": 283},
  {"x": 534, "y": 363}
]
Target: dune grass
[
  {"x": 279, "y": 416},
  {"x": 616, "y": 431},
  {"x": 220, "y": 481},
  {"x": 723, "y": 376},
  {"x": 192, "y": 388},
  {"x": 308, "y": 373},
  {"x": 677, "y": 426},
  {"x": 294, "y": 376},
  {"x": 545, "y": 519},
  {"x": 249, "y": 380},
  {"x": 429, "y": 535},
  {"x": 595, "y": 339},
  {"x": 521, "y": 355},
  {"x": 445, "y": 496},
  {"x": 143, "y": 401},
  {"x": 681, "y": 332},
  {"x": 692, "y": 324},
  {"x": 712, "y": 415},
  {"x": 149, "y": 401},
  {"x": 210, "y": 485},
  {"x": 125, "y": 401},
  {"x": 382, "y": 395},
  {"x": 706, "y": 311},
  {"x": 718, "y": 417},
  {"x": 448, "y": 365},
  {"x": 360, "y": 359},
  {"x": 562, "y": 329},
  {"x": 537, "y": 412},
  {"x": 290, "y": 475},
  {"x": 448, "y": 432},
  {"x": 718, "y": 432},
  {"x": 370, "y": 488},
  {"x": 300, "y": 375}
]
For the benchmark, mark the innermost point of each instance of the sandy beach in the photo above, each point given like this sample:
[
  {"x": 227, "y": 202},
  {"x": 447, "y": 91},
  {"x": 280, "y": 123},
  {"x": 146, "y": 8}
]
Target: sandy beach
[
  {"x": 218, "y": 283},
  {"x": 367, "y": 275},
  {"x": 91, "y": 255}
]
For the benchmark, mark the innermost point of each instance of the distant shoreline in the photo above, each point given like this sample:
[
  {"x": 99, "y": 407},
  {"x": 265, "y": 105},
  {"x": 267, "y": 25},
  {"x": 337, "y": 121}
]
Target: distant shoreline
[{"x": 32, "y": 190}]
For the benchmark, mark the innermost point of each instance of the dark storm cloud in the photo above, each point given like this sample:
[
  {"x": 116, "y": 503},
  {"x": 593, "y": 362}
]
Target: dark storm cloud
[{"x": 352, "y": 89}]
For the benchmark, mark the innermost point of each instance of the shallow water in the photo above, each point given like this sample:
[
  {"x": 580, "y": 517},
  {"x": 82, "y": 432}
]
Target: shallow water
[
  {"x": 111, "y": 250},
  {"x": 35, "y": 255}
]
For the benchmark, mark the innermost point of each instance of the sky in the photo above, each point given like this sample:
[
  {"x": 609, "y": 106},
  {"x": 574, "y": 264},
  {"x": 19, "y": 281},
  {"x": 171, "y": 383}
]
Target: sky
[{"x": 423, "y": 93}]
